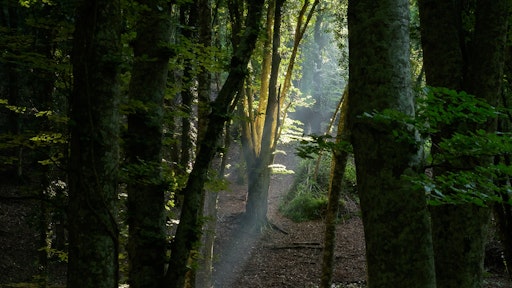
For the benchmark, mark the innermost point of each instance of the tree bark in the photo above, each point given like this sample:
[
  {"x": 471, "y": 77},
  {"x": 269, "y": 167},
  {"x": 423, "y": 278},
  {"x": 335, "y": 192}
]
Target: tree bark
[
  {"x": 205, "y": 265},
  {"x": 188, "y": 20},
  {"x": 339, "y": 162},
  {"x": 146, "y": 200},
  {"x": 476, "y": 67},
  {"x": 396, "y": 223},
  {"x": 266, "y": 67},
  {"x": 93, "y": 232},
  {"x": 258, "y": 168},
  {"x": 189, "y": 229}
]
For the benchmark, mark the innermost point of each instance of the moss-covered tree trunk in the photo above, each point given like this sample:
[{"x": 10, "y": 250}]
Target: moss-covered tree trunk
[
  {"x": 146, "y": 212},
  {"x": 458, "y": 61},
  {"x": 93, "y": 234},
  {"x": 204, "y": 83},
  {"x": 395, "y": 217},
  {"x": 339, "y": 162},
  {"x": 189, "y": 230}
]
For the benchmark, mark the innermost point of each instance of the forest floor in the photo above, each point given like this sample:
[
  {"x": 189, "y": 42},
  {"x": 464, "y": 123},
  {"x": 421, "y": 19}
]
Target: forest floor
[{"x": 291, "y": 257}]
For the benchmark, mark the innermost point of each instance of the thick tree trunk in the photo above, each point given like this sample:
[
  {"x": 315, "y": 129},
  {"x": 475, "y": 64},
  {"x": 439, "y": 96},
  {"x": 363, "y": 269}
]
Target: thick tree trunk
[
  {"x": 93, "y": 233},
  {"x": 205, "y": 266},
  {"x": 396, "y": 223},
  {"x": 459, "y": 240},
  {"x": 459, "y": 233},
  {"x": 146, "y": 211},
  {"x": 258, "y": 171},
  {"x": 189, "y": 229},
  {"x": 256, "y": 207}
]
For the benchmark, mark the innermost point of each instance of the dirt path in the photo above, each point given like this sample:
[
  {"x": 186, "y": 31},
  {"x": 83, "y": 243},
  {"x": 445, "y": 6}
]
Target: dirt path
[{"x": 275, "y": 259}]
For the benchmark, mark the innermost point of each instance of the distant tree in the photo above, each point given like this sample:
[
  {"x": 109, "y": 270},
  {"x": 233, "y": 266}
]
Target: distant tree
[
  {"x": 260, "y": 132},
  {"x": 462, "y": 53},
  {"x": 93, "y": 169},
  {"x": 394, "y": 212}
]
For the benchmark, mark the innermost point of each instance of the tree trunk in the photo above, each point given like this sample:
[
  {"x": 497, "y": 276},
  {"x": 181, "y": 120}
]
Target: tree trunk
[
  {"x": 503, "y": 211},
  {"x": 93, "y": 232},
  {"x": 266, "y": 67},
  {"x": 339, "y": 162},
  {"x": 189, "y": 229},
  {"x": 205, "y": 265},
  {"x": 477, "y": 68},
  {"x": 146, "y": 211},
  {"x": 300, "y": 29},
  {"x": 396, "y": 223},
  {"x": 188, "y": 20},
  {"x": 258, "y": 171}
]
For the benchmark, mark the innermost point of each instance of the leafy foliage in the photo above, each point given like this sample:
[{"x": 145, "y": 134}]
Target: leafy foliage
[
  {"x": 315, "y": 145},
  {"x": 467, "y": 155},
  {"x": 441, "y": 107}
]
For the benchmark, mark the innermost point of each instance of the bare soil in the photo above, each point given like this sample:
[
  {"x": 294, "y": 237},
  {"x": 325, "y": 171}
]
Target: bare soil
[{"x": 291, "y": 255}]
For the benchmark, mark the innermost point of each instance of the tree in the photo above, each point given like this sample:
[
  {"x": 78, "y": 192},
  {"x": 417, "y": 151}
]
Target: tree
[
  {"x": 395, "y": 217},
  {"x": 339, "y": 162},
  {"x": 146, "y": 187},
  {"x": 261, "y": 131},
  {"x": 204, "y": 79},
  {"x": 258, "y": 152},
  {"x": 462, "y": 55},
  {"x": 93, "y": 233},
  {"x": 189, "y": 229},
  {"x": 503, "y": 211}
]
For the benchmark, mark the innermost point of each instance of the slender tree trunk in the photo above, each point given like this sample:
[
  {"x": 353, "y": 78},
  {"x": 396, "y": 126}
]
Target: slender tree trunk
[
  {"x": 266, "y": 67},
  {"x": 300, "y": 29},
  {"x": 146, "y": 211},
  {"x": 396, "y": 222},
  {"x": 93, "y": 232},
  {"x": 339, "y": 162},
  {"x": 189, "y": 229}
]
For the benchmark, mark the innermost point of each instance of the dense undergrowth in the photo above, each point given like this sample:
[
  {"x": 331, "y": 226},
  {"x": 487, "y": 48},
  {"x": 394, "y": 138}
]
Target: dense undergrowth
[{"x": 307, "y": 197}]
